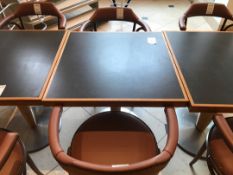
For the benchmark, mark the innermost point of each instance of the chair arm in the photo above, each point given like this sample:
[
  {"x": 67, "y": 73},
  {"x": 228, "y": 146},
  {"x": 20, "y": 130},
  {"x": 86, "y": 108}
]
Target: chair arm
[
  {"x": 182, "y": 23},
  {"x": 62, "y": 22},
  {"x": 85, "y": 25},
  {"x": 227, "y": 27},
  {"x": 173, "y": 134},
  {"x": 225, "y": 129},
  {"x": 5, "y": 20},
  {"x": 7, "y": 144},
  {"x": 144, "y": 25},
  {"x": 54, "y": 122}
]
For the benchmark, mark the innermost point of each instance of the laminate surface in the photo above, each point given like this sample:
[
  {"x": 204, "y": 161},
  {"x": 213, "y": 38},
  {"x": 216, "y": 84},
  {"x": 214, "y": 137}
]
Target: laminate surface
[
  {"x": 25, "y": 61},
  {"x": 107, "y": 67},
  {"x": 205, "y": 60}
]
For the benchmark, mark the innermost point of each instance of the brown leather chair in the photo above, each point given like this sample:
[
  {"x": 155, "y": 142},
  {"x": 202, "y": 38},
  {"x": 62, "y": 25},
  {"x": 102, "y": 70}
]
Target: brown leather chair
[
  {"x": 219, "y": 145},
  {"x": 113, "y": 143},
  {"x": 13, "y": 157},
  {"x": 34, "y": 8},
  {"x": 114, "y": 14},
  {"x": 200, "y": 9}
]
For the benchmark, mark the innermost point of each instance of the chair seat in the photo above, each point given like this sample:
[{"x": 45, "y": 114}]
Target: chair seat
[
  {"x": 113, "y": 138},
  {"x": 221, "y": 155}
]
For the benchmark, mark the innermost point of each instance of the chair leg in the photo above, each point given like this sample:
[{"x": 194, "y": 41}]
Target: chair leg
[
  {"x": 25, "y": 171},
  {"x": 199, "y": 154},
  {"x": 134, "y": 27},
  {"x": 210, "y": 166},
  {"x": 33, "y": 166}
]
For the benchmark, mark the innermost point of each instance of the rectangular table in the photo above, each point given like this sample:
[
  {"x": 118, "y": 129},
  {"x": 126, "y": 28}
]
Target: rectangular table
[
  {"x": 205, "y": 64},
  {"x": 26, "y": 62},
  {"x": 115, "y": 69}
]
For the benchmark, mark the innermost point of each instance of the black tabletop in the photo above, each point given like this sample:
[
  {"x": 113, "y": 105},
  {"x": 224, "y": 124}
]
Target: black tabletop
[
  {"x": 25, "y": 62},
  {"x": 111, "y": 68},
  {"x": 205, "y": 60}
]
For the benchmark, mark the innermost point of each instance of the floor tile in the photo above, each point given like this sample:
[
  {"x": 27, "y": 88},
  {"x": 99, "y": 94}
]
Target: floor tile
[
  {"x": 157, "y": 127},
  {"x": 44, "y": 161},
  {"x": 157, "y": 113},
  {"x": 179, "y": 163},
  {"x": 6, "y": 114},
  {"x": 70, "y": 122},
  {"x": 58, "y": 171}
]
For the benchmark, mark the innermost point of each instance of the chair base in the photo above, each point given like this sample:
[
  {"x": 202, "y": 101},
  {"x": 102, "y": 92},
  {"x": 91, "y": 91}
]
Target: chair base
[{"x": 190, "y": 139}]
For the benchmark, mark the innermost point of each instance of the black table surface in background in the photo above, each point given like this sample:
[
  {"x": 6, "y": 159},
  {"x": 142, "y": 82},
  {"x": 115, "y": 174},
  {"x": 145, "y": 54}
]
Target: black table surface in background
[
  {"x": 25, "y": 61},
  {"x": 206, "y": 62},
  {"x": 108, "y": 66}
]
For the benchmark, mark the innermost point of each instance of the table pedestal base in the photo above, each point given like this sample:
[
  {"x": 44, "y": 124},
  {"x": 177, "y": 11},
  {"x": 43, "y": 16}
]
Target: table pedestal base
[
  {"x": 34, "y": 138},
  {"x": 190, "y": 138}
]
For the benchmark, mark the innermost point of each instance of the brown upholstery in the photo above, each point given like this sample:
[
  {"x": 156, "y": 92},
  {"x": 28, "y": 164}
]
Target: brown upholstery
[
  {"x": 200, "y": 9},
  {"x": 219, "y": 146},
  {"x": 110, "y": 14},
  {"x": 12, "y": 154},
  {"x": 28, "y": 8},
  {"x": 113, "y": 143}
]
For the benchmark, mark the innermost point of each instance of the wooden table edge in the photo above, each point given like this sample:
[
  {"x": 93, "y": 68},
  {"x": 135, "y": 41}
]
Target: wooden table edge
[
  {"x": 114, "y": 102},
  {"x": 178, "y": 70},
  {"x": 55, "y": 64}
]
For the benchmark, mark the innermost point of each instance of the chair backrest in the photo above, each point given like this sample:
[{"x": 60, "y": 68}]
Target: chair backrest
[
  {"x": 206, "y": 9},
  {"x": 35, "y": 8},
  {"x": 225, "y": 128},
  {"x": 114, "y": 14},
  {"x": 12, "y": 154},
  {"x": 146, "y": 167}
]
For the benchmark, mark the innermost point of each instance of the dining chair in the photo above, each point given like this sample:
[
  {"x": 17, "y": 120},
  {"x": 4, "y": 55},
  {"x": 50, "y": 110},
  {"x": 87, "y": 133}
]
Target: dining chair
[
  {"x": 113, "y": 143},
  {"x": 33, "y": 8},
  {"x": 114, "y": 14},
  {"x": 13, "y": 156},
  {"x": 219, "y": 146},
  {"x": 207, "y": 9}
]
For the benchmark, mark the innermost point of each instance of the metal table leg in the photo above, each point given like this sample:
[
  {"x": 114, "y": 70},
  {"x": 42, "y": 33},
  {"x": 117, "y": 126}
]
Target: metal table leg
[
  {"x": 34, "y": 129},
  {"x": 192, "y": 130}
]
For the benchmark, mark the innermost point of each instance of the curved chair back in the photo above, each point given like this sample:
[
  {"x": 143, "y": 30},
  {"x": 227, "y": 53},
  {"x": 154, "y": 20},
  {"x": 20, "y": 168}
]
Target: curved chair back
[
  {"x": 114, "y": 14},
  {"x": 206, "y": 9},
  {"x": 77, "y": 161},
  {"x": 35, "y": 8},
  {"x": 12, "y": 154},
  {"x": 219, "y": 145}
]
